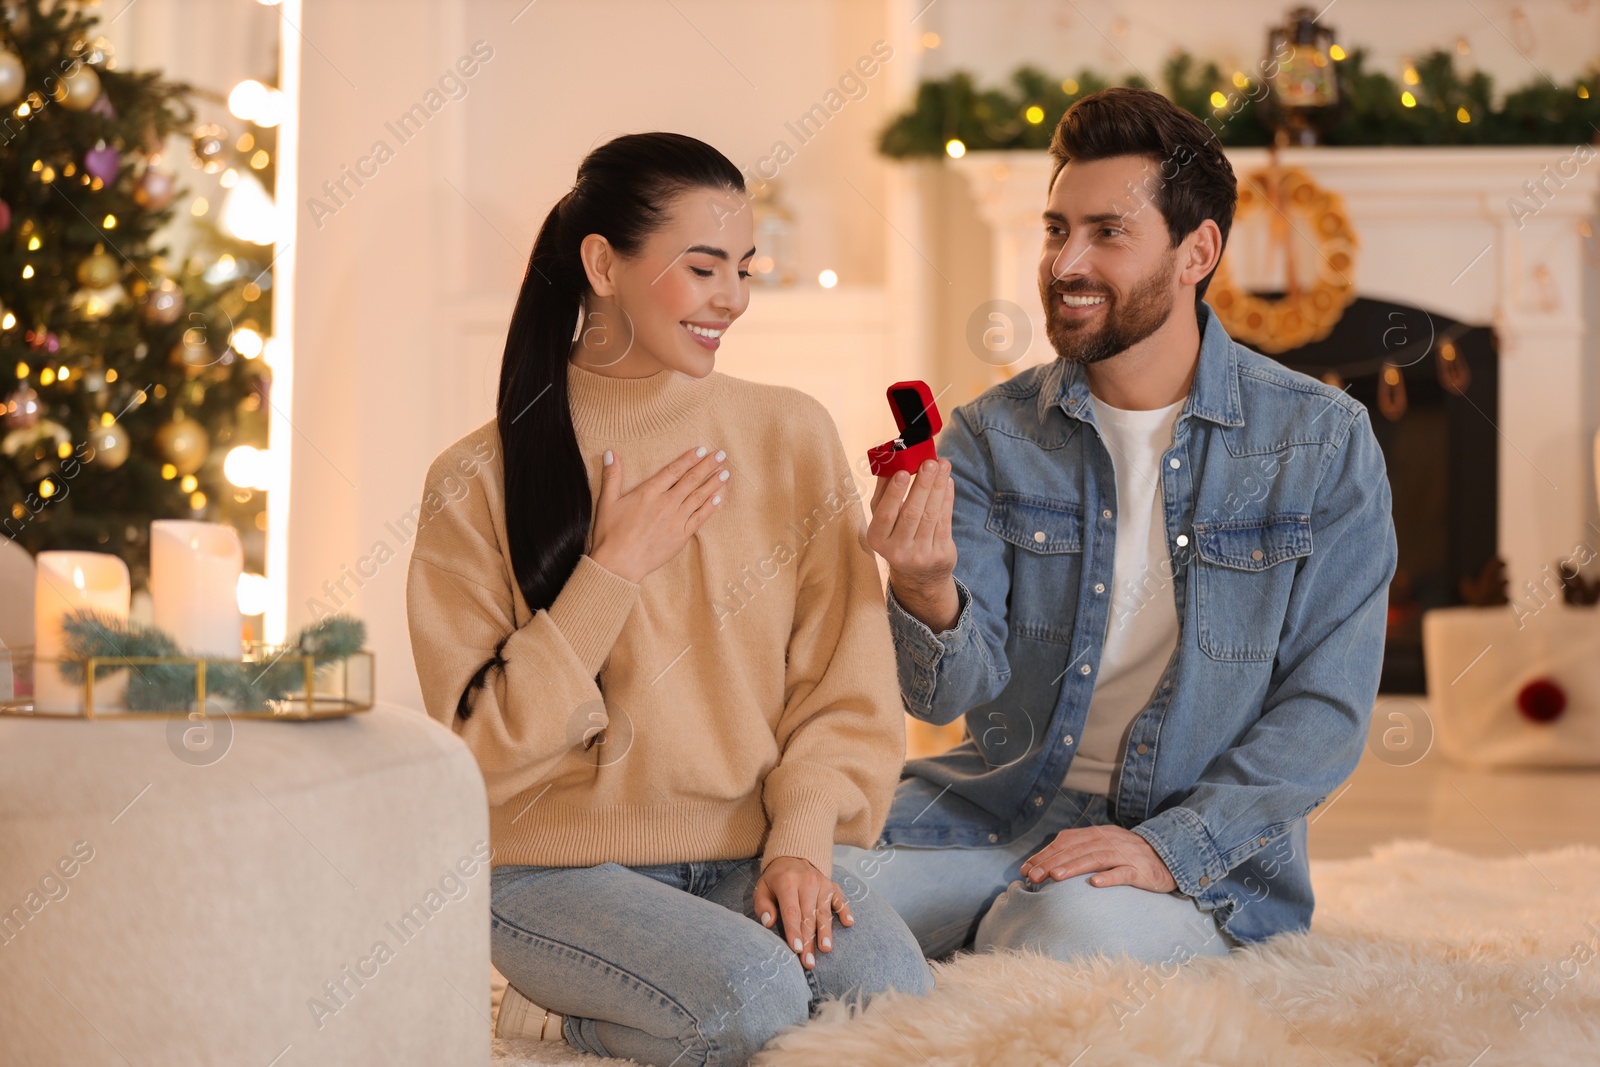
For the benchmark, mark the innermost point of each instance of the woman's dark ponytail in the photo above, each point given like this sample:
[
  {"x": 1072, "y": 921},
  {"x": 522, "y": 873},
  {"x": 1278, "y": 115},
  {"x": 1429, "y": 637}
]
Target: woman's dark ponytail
[{"x": 623, "y": 192}]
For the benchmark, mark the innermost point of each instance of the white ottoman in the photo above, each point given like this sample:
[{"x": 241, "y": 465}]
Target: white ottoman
[{"x": 295, "y": 893}]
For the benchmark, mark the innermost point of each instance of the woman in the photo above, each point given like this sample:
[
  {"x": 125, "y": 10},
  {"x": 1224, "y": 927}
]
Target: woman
[{"x": 641, "y": 599}]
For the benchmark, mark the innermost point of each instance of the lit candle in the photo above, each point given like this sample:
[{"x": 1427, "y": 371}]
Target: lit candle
[
  {"x": 66, "y": 582},
  {"x": 194, "y": 585}
]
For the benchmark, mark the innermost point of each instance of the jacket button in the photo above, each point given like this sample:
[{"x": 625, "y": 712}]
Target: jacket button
[
  {"x": 1067, "y": 740},
  {"x": 1263, "y": 840},
  {"x": 1099, "y": 587},
  {"x": 1205, "y": 879},
  {"x": 1142, "y": 749},
  {"x": 993, "y": 838},
  {"x": 1038, "y": 536},
  {"x": 1038, "y": 802},
  {"x": 1182, "y": 540},
  {"x": 1173, "y": 463},
  {"x": 1083, "y": 669},
  {"x": 1106, "y": 514},
  {"x": 1257, "y": 554}
]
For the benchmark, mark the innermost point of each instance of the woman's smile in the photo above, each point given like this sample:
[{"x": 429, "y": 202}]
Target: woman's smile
[{"x": 707, "y": 335}]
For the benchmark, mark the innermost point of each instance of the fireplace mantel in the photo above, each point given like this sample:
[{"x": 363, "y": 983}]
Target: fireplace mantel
[{"x": 1437, "y": 229}]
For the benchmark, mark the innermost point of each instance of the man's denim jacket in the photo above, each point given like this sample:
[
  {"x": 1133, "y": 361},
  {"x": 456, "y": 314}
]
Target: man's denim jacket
[{"x": 1277, "y": 512}]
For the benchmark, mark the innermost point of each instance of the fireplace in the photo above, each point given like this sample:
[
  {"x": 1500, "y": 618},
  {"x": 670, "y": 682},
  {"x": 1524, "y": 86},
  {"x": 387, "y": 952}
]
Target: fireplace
[{"x": 1441, "y": 451}]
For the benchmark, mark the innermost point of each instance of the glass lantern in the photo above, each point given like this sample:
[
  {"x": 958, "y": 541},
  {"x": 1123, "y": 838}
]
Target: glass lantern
[
  {"x": 774, "y": 225},
  {"x": 1304, "y": 99}
]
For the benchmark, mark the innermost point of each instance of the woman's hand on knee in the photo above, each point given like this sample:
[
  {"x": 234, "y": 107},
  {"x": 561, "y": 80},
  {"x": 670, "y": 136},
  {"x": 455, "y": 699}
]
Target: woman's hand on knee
[{"x": 804, "y": 900}]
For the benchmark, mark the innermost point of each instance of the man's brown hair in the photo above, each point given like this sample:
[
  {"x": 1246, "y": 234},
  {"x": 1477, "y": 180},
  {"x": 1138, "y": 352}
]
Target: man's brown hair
[{"x": 1193, "y": 181}]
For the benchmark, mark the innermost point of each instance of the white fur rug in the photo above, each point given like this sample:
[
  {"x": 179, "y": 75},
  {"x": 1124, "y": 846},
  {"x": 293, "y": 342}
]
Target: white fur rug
[{"x": 1417, "y": 956}]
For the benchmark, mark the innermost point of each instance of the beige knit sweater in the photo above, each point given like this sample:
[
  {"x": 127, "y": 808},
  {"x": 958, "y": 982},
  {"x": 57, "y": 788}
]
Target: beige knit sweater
[{"x": 747, "y": 700}]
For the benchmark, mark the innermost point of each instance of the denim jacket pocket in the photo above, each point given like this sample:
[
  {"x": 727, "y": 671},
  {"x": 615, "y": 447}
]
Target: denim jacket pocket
[
  {"x": 1242, "y": 586},
  {"x": 1045, "y": 573}
]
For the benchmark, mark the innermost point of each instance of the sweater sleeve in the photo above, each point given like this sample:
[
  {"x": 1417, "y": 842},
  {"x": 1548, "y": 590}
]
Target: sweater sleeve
[
  {"x": 841, "y": 736},
  {"x": 539, "y": 700}
]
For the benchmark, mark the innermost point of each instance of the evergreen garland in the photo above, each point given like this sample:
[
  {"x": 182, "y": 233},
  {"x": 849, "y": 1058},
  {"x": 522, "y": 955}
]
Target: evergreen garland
[
  {"x": 171, "y": 686},
  {"x": 1371, "y": 111}
]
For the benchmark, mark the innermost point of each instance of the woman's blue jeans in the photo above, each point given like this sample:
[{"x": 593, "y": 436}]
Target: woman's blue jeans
[{"x": 668, "y": 964}]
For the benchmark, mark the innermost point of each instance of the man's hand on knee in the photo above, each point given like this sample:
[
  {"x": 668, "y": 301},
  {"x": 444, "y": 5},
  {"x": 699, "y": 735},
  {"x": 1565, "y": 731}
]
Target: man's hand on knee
[{"x": 1113, "y": 856}]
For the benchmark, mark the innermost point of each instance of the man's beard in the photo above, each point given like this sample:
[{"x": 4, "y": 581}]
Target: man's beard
[{"x": 1147, "y": 308}]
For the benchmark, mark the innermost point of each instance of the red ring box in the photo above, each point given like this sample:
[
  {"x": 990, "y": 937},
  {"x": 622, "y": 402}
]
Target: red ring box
[{"x": 918, "y": 418}]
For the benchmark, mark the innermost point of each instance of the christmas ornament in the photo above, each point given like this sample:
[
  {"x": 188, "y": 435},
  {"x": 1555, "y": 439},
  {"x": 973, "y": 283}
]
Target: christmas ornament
[
  {"x": 102, "y": 106},
  {"x": 78, "y": 90},
  {"x": 1541, "y": 700},
  {"x": 95, "y": 304},
  {"x": 99, "y": 269},
  {"x": 5, "y": 216},
  {"x": 102, "y": 162},
  {"x": 191, "y": 353},
  {"x": 155, "y": 189},
  {"x": 110, "y": 444},
  {"x": 37, "y": 437},
  {"x": 16, "y": 13},
  {"x": 210, "y": 146},
  {"x": 22, "y": 408},
  {"x": 183, "y": 441},
  {"x": 98, "y": 52},
  {"x": 13, "y": 78},
  {"x": 163, "y": 303}
]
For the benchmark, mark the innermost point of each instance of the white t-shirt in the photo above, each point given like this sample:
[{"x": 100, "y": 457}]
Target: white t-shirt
[{"x": 1142, "y": 629}]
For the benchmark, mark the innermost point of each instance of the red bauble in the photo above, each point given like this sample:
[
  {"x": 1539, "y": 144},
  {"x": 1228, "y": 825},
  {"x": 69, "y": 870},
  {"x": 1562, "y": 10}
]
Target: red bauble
[{"x": 1542, "y": 700}]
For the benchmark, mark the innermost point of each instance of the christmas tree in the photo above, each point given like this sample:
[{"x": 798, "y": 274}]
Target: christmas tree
[{"x": 126, "y": 377}]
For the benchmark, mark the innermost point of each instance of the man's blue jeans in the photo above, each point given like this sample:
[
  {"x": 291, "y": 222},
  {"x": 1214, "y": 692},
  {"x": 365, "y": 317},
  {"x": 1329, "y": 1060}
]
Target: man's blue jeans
[
  {"x": 668, "y": 964},
  {"x": 956, "y": 897}
]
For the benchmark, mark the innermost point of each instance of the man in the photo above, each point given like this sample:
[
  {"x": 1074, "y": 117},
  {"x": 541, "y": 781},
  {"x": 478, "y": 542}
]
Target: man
[{"x": 1152, "y": 576}]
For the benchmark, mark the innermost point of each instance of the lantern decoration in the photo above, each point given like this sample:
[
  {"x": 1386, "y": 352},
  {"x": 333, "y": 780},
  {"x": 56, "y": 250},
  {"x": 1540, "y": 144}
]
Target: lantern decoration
[{"x": 1304, "y": 97}]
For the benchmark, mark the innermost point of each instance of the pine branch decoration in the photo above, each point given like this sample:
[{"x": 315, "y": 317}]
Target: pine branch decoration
[{"x": 171, "y": 686}]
